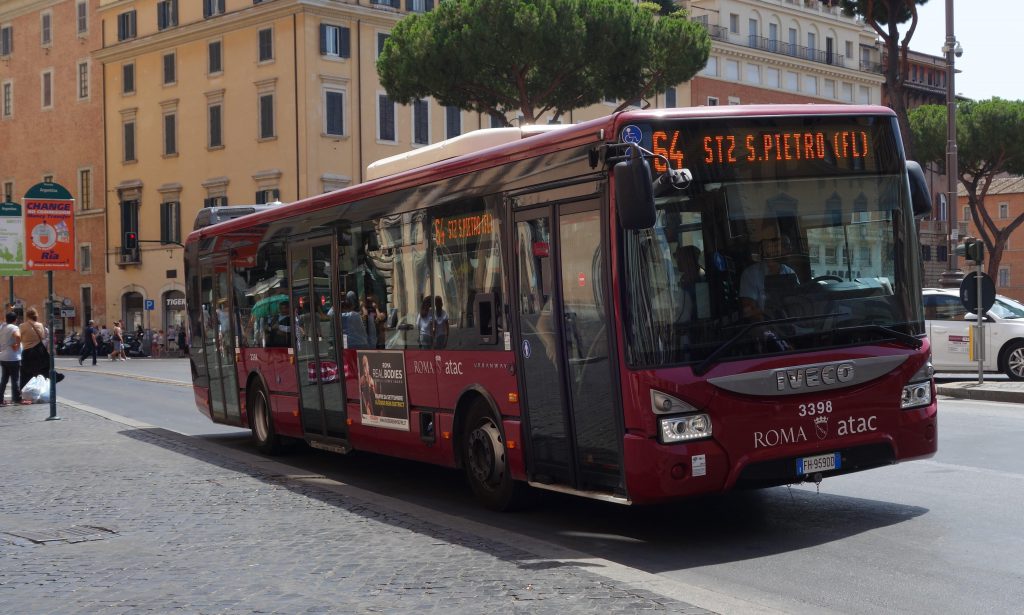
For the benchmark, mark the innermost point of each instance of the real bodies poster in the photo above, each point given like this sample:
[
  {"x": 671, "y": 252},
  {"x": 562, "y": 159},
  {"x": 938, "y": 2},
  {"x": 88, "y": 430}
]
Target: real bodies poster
[{"x": 383, "y": 396}]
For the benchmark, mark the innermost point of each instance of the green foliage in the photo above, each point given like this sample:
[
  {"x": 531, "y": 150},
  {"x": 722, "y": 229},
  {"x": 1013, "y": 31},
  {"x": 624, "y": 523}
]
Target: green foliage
[
  {"x": 990, "y": 141},
  {"x": 990, "y": 136},
  {"x": 534, "y": 56},
  {"x": 879, "y": 9}
]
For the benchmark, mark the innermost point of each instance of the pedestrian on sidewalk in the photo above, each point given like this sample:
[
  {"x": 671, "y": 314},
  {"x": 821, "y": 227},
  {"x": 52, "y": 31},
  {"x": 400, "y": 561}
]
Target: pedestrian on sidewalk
[
  {"x": 117, "y": 339},
  {"x": 90, "y": 345},
  {"x": 182, "y": 341},
  {"x": 10, "y": 360},
  {"x": 35, "y": 360}
]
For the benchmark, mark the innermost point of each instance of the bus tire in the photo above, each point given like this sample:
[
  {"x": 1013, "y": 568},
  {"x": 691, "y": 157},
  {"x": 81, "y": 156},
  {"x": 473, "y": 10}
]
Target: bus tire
[
  {"x": 1013, "y": 361},
  {"x": 485, "y": 460},
  {"x": 263, "y": 435}
]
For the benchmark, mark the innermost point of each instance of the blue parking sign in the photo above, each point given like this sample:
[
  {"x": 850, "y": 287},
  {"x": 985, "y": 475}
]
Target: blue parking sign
[{"x": 150, "y": 304}]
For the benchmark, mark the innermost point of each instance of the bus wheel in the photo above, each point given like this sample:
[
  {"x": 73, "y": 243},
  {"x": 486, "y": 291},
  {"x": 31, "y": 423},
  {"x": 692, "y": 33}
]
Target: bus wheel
[
  {"x": 485, "y": 461},
  {"x": 262, "y": 424},
  {"x": 1013, "y": 363}
]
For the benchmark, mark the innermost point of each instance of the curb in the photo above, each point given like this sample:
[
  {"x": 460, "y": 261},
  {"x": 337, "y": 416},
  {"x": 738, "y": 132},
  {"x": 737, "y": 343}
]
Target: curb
[{"x": 974, "y": 391}]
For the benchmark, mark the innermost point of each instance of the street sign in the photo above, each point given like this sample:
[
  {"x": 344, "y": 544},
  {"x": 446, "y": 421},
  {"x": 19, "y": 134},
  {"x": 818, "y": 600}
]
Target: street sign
[
  {"x": 49, "y": 228},
  {"x": 969, "y": 292},
  {"x": 66, "y": 313},
  {"x": 150, "y": 304}
]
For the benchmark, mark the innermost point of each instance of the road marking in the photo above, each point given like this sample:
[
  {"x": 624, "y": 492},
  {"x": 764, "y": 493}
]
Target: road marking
[{"x": 83, "y": 370}]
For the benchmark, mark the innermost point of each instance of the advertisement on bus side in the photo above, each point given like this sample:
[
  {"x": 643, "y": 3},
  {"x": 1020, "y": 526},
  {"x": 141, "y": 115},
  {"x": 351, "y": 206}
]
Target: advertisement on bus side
[{"x": 383, "y": 397}]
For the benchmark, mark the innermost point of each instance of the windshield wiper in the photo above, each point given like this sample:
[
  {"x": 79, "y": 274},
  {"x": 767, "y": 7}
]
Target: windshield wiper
[
  {"x": 705, "y": 365},
  {"x": 903, "y": 338}
]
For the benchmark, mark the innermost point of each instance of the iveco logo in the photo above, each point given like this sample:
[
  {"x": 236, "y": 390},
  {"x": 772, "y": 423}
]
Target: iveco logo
[{"x": 809, "y": 377}]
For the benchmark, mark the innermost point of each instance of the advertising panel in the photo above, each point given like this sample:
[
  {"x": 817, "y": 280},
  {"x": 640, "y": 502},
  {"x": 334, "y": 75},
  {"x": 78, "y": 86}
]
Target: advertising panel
[
  {"x": 49, "y": 228},
  {"x": 383, "y": 397},
  {"x": 12, "y": 240}
]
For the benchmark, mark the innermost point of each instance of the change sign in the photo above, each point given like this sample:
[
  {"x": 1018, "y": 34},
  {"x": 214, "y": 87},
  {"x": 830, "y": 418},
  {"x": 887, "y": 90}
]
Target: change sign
[
  {"x": 49, "y": 228},
  {"x": 12, "y": 240}
]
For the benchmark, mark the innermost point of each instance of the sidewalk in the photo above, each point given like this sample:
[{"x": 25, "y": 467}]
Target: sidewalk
[
  {"x": 99, "y": 514},
  {"x": 989, "y": 390}
]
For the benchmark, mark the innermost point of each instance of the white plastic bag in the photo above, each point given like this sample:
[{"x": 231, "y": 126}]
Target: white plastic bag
[{"x": 37, "y": 389}]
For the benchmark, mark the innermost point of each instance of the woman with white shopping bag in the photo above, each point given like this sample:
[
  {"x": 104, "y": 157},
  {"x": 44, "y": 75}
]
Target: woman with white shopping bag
[{"x": 10, "y": 360}]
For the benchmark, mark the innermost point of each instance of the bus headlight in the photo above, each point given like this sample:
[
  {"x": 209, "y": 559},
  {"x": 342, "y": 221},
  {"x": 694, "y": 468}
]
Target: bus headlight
[
  {"x": 684, "y": 428},
  {"x": 919, "y": 391}
]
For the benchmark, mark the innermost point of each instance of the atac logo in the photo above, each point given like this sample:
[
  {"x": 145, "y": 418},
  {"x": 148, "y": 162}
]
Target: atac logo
[{"x": 821, "y": 427}]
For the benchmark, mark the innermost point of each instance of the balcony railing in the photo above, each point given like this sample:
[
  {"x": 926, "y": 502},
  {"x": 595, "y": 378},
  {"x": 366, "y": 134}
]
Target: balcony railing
[{"x": 720, "y": 33}]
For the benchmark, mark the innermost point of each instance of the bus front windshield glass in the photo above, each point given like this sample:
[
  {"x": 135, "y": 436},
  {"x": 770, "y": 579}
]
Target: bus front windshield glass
[{"x": 741, "y": 263}]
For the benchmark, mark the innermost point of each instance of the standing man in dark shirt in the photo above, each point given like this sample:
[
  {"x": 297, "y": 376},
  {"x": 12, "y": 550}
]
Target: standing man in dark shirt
[{"x": 89, "y": 343}]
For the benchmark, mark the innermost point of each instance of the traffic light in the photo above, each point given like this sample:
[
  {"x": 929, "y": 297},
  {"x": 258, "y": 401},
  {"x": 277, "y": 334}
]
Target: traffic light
[
  {"x": 131, "y": 241},
  {"x": 972, "y": 249}
]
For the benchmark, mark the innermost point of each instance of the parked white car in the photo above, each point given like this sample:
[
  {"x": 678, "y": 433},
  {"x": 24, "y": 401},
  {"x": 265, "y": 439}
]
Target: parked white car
[{"x": 948, "y": 325}]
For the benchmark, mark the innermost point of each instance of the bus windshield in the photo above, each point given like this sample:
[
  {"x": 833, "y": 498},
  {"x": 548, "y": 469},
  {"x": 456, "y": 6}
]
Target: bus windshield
[{"x": 744, "y": 262}]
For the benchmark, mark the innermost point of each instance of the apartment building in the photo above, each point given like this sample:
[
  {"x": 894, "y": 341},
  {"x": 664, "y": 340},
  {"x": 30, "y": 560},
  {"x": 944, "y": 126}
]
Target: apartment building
[
  {"x": 51, "y": 112},
  {"x": 1004, "y": 203},
  {"x": 219, "y": 102},
  {"x": 785, "y": 51}
]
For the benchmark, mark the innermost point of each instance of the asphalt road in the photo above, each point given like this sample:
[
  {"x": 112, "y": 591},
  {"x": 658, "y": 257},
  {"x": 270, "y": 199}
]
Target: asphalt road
[{"x": 940, "y": 535}]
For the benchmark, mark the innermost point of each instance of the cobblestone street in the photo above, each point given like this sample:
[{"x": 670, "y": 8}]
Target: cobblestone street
[{"x": 98, "y": 516}]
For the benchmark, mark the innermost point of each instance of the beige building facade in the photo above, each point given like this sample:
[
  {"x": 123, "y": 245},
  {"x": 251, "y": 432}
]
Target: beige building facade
[
  {"x": 785, "y": 51},
  {"x": 51, "y": 109},
  {"x": 226, "y": 102}
]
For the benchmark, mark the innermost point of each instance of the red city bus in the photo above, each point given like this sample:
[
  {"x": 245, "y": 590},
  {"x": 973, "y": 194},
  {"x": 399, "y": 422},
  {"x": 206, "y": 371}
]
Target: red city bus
[{"x": 648, "y": 306}]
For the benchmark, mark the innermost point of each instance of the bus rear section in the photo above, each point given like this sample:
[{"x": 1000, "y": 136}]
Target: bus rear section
[{"x": 771, "y": 316}]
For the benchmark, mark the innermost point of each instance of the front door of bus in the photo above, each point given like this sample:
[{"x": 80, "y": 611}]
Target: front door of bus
[
  {"x": 568, "y": 380},
  {"x": 320, "y": 374},
  {"x": 218, "y": 335}
]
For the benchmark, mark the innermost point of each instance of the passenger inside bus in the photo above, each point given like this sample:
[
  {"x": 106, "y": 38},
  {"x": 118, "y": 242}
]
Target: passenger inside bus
[
  {"x": 692, "y": 284},
  {"x": 280, "y": 329},
  {"x": 769, "y": 273}
]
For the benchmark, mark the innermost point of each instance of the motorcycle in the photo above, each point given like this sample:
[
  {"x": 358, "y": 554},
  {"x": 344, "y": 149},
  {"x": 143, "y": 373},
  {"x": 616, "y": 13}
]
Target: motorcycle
[
  {"x": 71, "y": 345},
  {"x": 133, "y": 345}
]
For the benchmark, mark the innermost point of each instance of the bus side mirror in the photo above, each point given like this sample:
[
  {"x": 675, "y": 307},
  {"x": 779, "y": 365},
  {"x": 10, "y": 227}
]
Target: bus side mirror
[
  {"x": 634, "y": 195},
  {"x": 920, "y": 198}
]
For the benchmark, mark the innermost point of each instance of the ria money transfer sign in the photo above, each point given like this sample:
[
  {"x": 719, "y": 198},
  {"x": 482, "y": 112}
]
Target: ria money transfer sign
[
  {"x": 12, "y": 240},
  {"x": 49, "y": 228}
]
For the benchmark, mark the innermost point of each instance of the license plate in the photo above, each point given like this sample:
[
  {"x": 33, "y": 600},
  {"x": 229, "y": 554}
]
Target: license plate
[{"x": 818, "y": 463}]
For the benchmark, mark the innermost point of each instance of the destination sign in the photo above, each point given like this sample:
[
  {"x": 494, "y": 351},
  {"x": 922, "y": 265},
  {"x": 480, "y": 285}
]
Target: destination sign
[{"x": 736, "y": 148}]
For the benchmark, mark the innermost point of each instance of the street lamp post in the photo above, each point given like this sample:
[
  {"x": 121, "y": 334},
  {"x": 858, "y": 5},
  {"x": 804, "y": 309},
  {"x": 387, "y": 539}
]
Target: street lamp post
[{"x": 951, "y": 49}]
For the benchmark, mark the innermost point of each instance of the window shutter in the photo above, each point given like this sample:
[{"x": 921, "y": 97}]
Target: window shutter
[
  {"x": 345, "y": 43},
  {"x": 430, "y": 5},
  {"x": 397, "y": 4},
  {"x": 164, "y": 222},
  {"x": 215, "y": 131},
  {"x": 408, "y": 5},
  {"x": 220, "y": 6},
  {"x": 207, "y": 8},
  {"x": 208, "y": 202},
  {"x": 323, "y": 39},
  {"x": 161, "y": 15},
  {"x": 261, "y": 197}
]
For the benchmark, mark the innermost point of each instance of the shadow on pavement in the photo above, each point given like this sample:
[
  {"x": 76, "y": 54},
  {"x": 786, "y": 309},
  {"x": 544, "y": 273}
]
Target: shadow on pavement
[{"x": 733, "y": 527}]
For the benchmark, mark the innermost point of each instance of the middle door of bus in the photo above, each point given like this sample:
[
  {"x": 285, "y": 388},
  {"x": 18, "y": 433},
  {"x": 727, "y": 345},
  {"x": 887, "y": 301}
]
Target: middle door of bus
[
  {"x": 320, "y": 374},
  {"x": 568, "y": 378}
]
